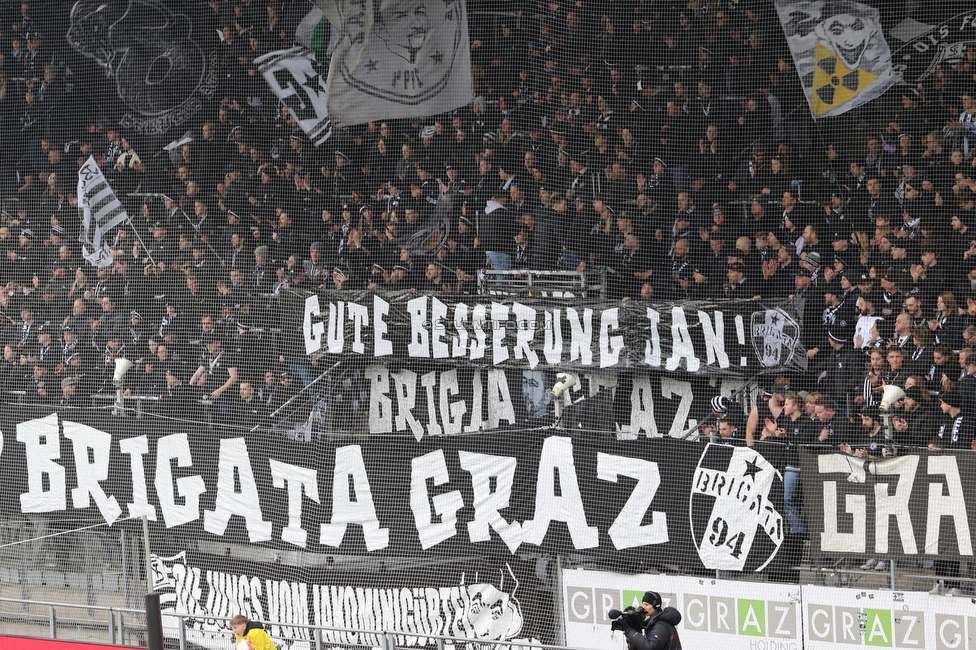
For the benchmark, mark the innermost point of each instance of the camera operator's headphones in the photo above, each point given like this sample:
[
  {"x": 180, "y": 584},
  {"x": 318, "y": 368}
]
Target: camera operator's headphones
[{"x": 652, "y": 598}]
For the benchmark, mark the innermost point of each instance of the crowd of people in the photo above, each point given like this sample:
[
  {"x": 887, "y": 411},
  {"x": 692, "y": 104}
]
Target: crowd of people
[{"x": 670, "y": 145}]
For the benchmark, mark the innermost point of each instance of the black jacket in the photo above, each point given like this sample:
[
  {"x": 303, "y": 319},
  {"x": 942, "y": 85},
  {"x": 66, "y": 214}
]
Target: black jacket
[{"x": 659, "y": 632}]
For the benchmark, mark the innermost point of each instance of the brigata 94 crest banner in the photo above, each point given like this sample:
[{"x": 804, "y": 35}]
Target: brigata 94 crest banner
[{"x": 727, "y": 337}]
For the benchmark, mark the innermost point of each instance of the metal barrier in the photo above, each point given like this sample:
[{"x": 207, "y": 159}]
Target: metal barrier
[
  {"x": 528, "y": 283},
  {"x": 321, "y": 636},
  {"x": 113, "y": 628}
]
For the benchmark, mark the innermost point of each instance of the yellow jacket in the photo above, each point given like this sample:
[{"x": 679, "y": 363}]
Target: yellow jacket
[{"x": 258, "y": 638}]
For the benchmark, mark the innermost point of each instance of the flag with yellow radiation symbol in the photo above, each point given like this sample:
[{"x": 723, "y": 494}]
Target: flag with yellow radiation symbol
[{"x": 840, "y": 53}]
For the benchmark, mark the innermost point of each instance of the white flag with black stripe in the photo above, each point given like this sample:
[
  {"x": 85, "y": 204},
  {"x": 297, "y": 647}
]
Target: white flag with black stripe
[
  {"x": 297, "y": 79},
  {"x": 100, "y": 212}
]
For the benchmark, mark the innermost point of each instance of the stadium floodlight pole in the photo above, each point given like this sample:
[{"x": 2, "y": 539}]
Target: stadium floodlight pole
[{"x": 154, "y": 616}]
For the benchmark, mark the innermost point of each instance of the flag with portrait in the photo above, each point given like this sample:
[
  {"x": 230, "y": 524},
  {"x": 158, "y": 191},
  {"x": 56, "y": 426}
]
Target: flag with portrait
[
  {"x": 397, "y": 59},
  {"x": 840, "y": 53}
]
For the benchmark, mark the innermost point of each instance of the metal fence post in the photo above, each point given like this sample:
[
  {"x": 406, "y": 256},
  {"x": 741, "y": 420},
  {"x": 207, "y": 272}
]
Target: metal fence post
[
  {"x": 121, "y": 620},
  {"x": 318, "y": 638},
  {"x": 390, "y": 642},
  {"x": 53, "y": 622},
  {"x": 182, "y": 632},
  {"x": 111, "y": 627}
]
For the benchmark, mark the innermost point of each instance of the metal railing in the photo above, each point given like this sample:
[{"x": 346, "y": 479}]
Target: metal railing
[
  {"x": 112, "y": 628},
  {"x": 323, "y": 636},
  {"x": 527, "y": 283}
]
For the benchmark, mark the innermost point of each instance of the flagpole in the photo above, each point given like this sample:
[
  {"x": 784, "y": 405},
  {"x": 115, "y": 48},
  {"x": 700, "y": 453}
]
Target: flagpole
[
  {"x": 190, "y": 221},
  {"x": 144, "y": 247}
]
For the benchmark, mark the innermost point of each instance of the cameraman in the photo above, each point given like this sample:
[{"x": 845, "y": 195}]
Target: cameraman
[{"x": 656, "y": 631}]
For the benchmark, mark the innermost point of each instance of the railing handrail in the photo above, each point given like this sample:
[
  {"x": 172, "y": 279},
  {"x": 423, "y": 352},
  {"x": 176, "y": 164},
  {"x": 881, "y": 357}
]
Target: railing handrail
[
  {"x": 101, "y": 608},
  {"x": 435, "y": 637}
]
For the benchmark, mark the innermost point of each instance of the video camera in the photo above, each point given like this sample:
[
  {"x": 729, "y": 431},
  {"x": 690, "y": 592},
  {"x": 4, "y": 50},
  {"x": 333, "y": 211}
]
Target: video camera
[{"x": 630, "y": 618}]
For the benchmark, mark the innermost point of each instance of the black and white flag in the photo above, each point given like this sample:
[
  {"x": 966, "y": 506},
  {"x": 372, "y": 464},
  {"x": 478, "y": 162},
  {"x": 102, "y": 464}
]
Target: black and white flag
[
  {"x": 100, "y": 212},
  {"x": 295, "y": 77},
  {"x": 397, "y": 59}
]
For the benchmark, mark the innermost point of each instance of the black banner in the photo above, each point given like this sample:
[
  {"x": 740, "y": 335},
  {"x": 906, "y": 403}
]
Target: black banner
[
  {"x": 436, "y": 399},
  {"x": 480, "y": 600},
  {"x": 623, "y": 503},
  {"x": 738, "y": 338},
  {"x": 912, "y": 505}
]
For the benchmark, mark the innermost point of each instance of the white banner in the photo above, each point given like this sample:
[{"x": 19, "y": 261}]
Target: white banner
[
  {"x": 294, "y": 77},
  {"x": 715, "y": 613},
  {"x": 398, "y": 59},
  {"x": 100, "y": 211},
  {"x": 840, "y": 618},
  {"x": 840, "y": 52}
]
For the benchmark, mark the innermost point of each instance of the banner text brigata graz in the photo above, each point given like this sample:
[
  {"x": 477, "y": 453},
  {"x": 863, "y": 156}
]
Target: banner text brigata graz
[
  {"x": 730, "y": 337},
  {"x": 486, "y": 495}
]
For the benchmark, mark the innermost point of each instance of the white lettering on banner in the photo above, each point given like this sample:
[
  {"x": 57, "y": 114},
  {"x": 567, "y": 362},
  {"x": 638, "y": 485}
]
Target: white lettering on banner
[
  {"x": 489, "y": 503},
  {"x": 135, "y": 448},
  {"x": 581, "y": 341},
  {"x": 942, "y": 505},
  {"x": 42, "y": 446},
  {"x": 189, "y": 488},
  {"x": 681, "y": 344},
  {"x": 381, "y": 346},
  {"x": 610, "y": 346},
  {"x": 525, "y": 316},
  {"x": 944, "y": 499},
  {"x": 296, "y": 480},
  {"x": 352, "y": 502},
  {"x": 831, "y": 539},
  {"x": 359, "y": 315},
  {"x": 445, "y": 505},
  {"x": 438, "y": 313},
  {"x": 557, "y": 474},
  {"x": 481, "y": 610},
  {"x": 89, "y": 474},
  {"x": 895, "y": 505},
  {"x": 626, "y": 530},
  {"x": 234, "y": 466},
  {"x": 438, "y": 330},
  {"x": 491, "y": 402}
]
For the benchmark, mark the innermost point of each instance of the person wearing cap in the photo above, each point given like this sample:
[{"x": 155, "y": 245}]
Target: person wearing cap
[
  {"x": 658, "y": 630},
  {"x": 69, "y": 394},
  {"x": 956, "y": 429}
]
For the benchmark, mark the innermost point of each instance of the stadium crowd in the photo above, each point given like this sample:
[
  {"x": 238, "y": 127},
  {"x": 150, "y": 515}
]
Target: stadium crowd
[{"x": 672, "y": 146}]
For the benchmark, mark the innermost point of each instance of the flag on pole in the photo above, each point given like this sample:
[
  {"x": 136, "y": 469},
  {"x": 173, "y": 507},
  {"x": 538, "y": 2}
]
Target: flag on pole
[
  {"x": 315, "y": 33},
  {"x": 100, "y": 212},
  {"x": 397, "y": 59},
  {"x": 297, "y": 79},
  {"x": 840, "y": 52}
]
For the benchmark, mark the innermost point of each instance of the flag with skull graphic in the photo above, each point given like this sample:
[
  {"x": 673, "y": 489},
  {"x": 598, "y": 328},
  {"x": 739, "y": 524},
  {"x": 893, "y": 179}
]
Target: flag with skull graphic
[{"x": 840, "y": 52}]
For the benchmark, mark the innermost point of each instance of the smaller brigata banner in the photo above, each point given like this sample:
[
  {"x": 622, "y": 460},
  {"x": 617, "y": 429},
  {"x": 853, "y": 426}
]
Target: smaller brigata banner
[{"x": 730, "y": 337}]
